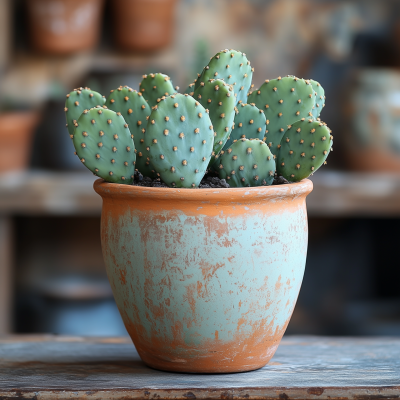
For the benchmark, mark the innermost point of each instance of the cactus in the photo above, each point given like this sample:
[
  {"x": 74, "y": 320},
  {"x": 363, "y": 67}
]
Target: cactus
[
  {"x": 248, "y": 162},
  {"x": 218, "y": 97},
  {"x": 104, "y": 144},
  {"x": 179, "y": 137},
  {"x": 155, "y": 86},
  {"x": 135, "y": 110},
  {"x": 212, "y": 126},
  {"x": 249, "y": 122},
  {"x": 78, "y": 100},
  {"x": 234, "y": 68},
  {"x": 303, "y": 149},
  {"x": 284, "y": 101},
  {"x": 190, "y": 89},
  {"x": 319, "y": 93}
]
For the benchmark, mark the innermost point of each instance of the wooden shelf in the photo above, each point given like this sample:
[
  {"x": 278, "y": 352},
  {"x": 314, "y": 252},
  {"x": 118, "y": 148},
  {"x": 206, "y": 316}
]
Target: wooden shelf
[{"x": 335, "y": 194}]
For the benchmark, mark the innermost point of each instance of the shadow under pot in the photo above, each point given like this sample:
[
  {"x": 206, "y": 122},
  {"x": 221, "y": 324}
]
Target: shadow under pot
[
  {"x": 143, "y": 25},
  {"x": 64, "y": 26}
]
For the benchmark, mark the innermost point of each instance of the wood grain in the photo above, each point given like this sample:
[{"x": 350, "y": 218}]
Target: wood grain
[{"x": 50, "y": 367}]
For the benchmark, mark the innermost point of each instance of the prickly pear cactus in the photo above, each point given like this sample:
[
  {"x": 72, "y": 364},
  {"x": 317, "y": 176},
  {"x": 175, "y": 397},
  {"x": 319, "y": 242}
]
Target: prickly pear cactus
[
  {"x": 190, "y": 89},
  {"x": 155, "y": 86},
  {"x": 249, "y": 122},
  {"x": 78, "y": 100},
  {"x": 135, "y": 110},
  {"x": 304, "y": 148},
  {"x": 284, "y": 101},
  {"x": 319, "y": 94},
  {"x": 104, "y": 144},
  {"x": 180, "y": 139},
  {"x": 234, "y": 68},
  {"x": 218, "y": 97},
  {"x": 248, "y": 162}
]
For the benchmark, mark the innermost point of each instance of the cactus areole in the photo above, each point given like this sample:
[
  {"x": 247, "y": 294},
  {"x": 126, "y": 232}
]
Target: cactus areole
[{"x": 205, "y": 280}]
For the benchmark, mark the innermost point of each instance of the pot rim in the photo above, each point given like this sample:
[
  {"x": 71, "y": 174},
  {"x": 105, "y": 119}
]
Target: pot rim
[{"x": 291, "y": 190}]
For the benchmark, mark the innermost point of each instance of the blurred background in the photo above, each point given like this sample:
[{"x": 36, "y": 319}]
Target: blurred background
[{"x": 52, "y": 277}]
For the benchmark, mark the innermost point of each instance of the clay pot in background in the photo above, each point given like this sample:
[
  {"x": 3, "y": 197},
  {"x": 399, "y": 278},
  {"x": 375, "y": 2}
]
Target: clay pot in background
[
  {"x": 143, "y": 25},
  {"x": 373, "y": 138},
  {"x": 16, "y": 129},
  {"x": 205, "y": 280},
  {"x": 64, "y": 26}
]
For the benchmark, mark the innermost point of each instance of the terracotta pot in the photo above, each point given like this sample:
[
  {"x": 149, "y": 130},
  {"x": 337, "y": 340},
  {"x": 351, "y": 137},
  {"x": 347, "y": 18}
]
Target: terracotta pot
[
  {"x": 64, "y": 26},
  {"x": 205, "y": 280},
  {"x": 16, "y": 129},
  {"x": 143, "y": 25},
  {"x": 373, "y": 140}
]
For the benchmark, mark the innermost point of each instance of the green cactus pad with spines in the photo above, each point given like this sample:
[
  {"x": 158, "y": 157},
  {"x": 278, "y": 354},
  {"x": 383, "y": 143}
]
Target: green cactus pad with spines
[
  {"x": 155, "y": 86},
  {"x": 218, "y": 97},
  {"x": 190, "y": 89},
  {"x": 180, "y": 136},
  {"x": 284, "y": 101},
  {"x": 304, "y": 148},
  {"x": 249, "y": 122},
  {"x": 247, "y": 162},
  {"x": 135, "y": 110},
  {"x": 319, "y": 94},
  {"x": 234, "y": 68},
  {"x": 78, "y": 100},
  {"x": 104, "y": 144}
]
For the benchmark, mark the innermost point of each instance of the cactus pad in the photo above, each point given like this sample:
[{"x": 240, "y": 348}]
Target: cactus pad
[
  {"x": 234, "y": 68},
  {"x": 284, "y": 101},
  {"x": 155, "y": 86},
  {"x": 104, "y": 144},
  {"x": 248, "y": 162},
  {"x": 78, "y": 100},
  {"x": 319, "y": 93},
  {"x": 218, "y": 97},
  {"x": 135, "y": 110},
  {"x": 304, "y": 148},
  {"x": 180, "y": 136},
  {"x": 250, "y": 123}
]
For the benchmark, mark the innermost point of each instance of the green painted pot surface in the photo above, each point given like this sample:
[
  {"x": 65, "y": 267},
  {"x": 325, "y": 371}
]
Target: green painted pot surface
[{"x": 205, "y": 280}]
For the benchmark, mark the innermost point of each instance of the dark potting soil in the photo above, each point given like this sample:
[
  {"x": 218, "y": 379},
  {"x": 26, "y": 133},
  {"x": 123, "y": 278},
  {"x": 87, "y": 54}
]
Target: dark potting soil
[{"x": 208, "y": 182}]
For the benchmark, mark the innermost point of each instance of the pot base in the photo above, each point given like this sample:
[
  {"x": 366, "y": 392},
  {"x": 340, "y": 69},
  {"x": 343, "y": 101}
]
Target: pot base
[{"x": 205, "y": 366}]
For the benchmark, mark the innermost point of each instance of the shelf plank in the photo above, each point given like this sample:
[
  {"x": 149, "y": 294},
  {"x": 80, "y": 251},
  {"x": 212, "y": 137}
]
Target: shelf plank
[
  {"x": 335, "y": 194},
  {"x": 49, "y": 193},
  {"x": 51, "y": 367},
  {"x": 354, "y": 194}
]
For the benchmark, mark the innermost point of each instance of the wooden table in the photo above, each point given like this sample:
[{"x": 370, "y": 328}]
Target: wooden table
[{"x": 51, "y": 367}]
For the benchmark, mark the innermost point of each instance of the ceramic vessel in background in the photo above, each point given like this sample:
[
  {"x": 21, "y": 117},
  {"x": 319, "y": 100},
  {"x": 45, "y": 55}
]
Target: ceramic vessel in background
[
  {"x": 205, "y": 280},
  {"x": 16, "y": 134},
  {"x": 143, "y": 25},
  {"x": 373, "y": 140},
  {"x": 64, "y": 26}
]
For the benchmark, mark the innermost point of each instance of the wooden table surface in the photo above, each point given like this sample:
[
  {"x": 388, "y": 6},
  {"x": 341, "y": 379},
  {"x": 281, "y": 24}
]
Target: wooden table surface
[{"x": 304, "y": 367}]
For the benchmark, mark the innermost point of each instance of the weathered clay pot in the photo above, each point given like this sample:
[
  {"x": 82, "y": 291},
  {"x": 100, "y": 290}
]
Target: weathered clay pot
[
  {"x": 16, "y": 129},
  {"x": 205, "y": 280},
  {"x": 64, "y": 26},
  {"x": 143, "y": 25}
]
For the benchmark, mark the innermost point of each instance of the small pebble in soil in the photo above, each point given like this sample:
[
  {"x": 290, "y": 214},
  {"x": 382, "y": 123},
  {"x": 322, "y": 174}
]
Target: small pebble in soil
[{"x": 208, "y": 182}]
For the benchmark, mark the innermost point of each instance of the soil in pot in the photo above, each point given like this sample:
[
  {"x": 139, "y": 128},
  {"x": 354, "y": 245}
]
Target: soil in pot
[{"x": 64, "y": 26}]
